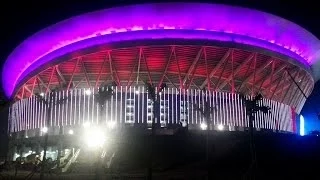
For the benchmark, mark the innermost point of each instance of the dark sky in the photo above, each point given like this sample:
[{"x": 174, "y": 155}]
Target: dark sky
[{"x": 20, "y": 19}]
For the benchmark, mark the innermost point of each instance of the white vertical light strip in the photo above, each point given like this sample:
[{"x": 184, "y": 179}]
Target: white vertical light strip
[
  {"x": 281, "y": 116},
  {"x": 188, "y": 106},
  {"x": 36, "y": 111},
  {"x": 231, "y": 105},
  {"x": 67, "y": 109},
  {"x": 125, "y": 105},
  {"x": 138, "y": 102},
  {"x": 192, "y": 108},
  {"x": 71, "y": 117},
  {"x": 33, "y": 113},
  {"x": 206, "y": 100},
  {"x": 176, "y": 94},
  {"x": 196, "y": 104},
  {"x": 93, "y": 107},
  {"x": 184, "y": 105},
  {"x": 180, "y": 99},
  {"x": 62, "y": 104},
  {"x": 237, "y": 109},
  {"x": 143, "y": 107},
  {"x": 168, "y": 105},
  {"x": 27, "y": 112},
  {"x": 59, "y": 109},
  {"x": 65, "y": 103},
  {"x": 83, "y": 93},
  {"x": 79, "y": 106},
  {"x": 19, "y": 116},
  {"x": 132, "y": 96},
  {"x": 270, "y": 115},
  {"x": 276, "y": 117},
  {"x": 218, "y": 107},
  {"x": 273, "y": 115},
  {"x": 121, "y": 104},
  {"x": 241, "y": 110},
  {"x": 106, "y": 105},
  {"x": 41, "y": 114},
  {"x": 227, "y": 110},
  {"x": 199, "y": 106},
  {"x": 223, "y": 98},
  {"x": 172, "y": 105},
  {"x": 116, "y": 106}
]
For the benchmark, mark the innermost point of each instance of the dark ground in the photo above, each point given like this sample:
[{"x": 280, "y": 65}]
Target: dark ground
[{"x": 284, "y": 156}]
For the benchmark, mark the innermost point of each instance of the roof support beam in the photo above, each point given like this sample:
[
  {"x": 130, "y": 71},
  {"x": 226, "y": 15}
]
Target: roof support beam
[
  {"x": 256, "y": 71},
  {"x": 85, "y": 74},
  {"x": 280, "y": 80},
  {"x": 113, "y": 70},
  {"x": 74, "y": 70},
  {"x": 193, "y": 66},
  {"x": 295, "y": 94},
  {"x": 248, "y": 59},
  {"x": 288, "y": 89},
  {"x": 133, "y": 67},
  {"x": 224, "y": 58},
  {"x": 51, "y": 75},
  {"x": 178, "y": 67},
  {"x": 60, "y": 74},
  {"x": 286, "y": 85},
  {"x": 99, "y": 75},
  {"x": 42, "y": 83},
  {"x": 167, "y": 65}
]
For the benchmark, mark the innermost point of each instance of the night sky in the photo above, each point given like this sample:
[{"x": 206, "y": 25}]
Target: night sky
[{"x": 20, "y": 19}]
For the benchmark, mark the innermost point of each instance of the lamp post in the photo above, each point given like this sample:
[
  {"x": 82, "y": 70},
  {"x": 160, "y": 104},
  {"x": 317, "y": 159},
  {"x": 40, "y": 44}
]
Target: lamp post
[
  {"x": 104, "y": 94},
  {"x": 206, "y": 110},
  {"x": 252, "y": 107},
  {"x": 154, "y": 94}
]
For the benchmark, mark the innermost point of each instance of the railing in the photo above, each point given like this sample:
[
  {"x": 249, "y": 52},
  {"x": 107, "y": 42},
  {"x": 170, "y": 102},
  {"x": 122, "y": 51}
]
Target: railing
[{"x": 72, "y": 160}]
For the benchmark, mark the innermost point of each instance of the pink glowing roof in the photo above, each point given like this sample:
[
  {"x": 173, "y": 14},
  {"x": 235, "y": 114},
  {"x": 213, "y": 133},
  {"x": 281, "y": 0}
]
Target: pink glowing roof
[{"x": 160, "y": 21}]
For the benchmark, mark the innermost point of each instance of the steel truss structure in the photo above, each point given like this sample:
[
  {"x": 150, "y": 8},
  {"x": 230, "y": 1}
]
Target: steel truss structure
[{"x": 213, "y": 68}]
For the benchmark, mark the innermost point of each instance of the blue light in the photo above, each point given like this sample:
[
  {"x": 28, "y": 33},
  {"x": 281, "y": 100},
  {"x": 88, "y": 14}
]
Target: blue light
[{"x": 301, "y": 125}]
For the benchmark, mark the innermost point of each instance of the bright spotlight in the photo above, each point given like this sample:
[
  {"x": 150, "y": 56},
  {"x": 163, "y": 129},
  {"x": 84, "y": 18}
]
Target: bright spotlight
[
  {"x": 88, "y": 92},
  {"x": 70, "y": 131},
  {"x": 137, "y": 91},
  {"x": 42, "y": 94},
  {"x": 44, "y": 129},
  {"x": 220, "y": 127},
  {"x": 111, "y": 124},
  {"x": 203, "y": 126},
  {"x": 184, "y": 123},
  {"x": 86, "y": 124},
  {"x": 94, "y": 138}
]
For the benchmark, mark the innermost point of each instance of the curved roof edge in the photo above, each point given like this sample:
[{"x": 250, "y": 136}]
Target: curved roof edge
[{"x": 235, "y": 21}]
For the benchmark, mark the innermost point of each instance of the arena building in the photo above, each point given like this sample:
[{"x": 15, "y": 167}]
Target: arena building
[{"x": 205, "y": 58}]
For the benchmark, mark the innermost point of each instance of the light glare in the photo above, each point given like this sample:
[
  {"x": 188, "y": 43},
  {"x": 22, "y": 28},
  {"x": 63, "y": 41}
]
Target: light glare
[
  {"x": 44, "y": 129},
  {"x": 220, "y": 127},
  {"x": 70, "y": 132},
  {"x": 86, "y": 124},
  {"x": 94, "y": 138},
  {"x": 88, "y": 92},
  {"x": 203, "y": 126}
]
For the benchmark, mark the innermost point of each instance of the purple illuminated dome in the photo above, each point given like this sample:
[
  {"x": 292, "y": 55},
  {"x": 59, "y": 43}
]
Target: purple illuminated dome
[{"x": 173, "y": 21}]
